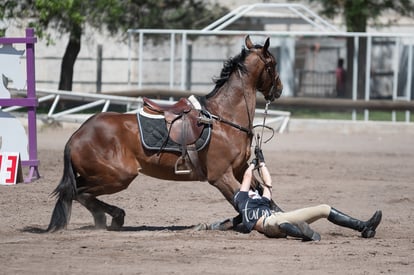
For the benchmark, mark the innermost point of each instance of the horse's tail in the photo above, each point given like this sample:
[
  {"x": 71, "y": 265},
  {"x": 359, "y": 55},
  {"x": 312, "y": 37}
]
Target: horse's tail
[{"x": 65, "y": 193}]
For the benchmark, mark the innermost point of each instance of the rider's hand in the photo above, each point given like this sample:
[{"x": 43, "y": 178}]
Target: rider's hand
[
  {"x": 259, "y": 154},
  {"x": 255, "y": 162}
]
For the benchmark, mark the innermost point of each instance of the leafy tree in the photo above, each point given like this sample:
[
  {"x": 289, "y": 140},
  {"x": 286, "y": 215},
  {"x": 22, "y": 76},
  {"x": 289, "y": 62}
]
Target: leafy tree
[
  {"x": 71, "y": 17},
  {"x": 357, "y": 14}
]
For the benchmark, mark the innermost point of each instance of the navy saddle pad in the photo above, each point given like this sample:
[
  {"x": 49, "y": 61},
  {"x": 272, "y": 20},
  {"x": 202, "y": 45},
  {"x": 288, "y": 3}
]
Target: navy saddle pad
[{"x": 154, "y": 134}]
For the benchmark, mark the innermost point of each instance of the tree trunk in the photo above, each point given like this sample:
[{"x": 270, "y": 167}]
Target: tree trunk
[
  {"x": 362, "y": 65},
  {"x": 69, "y": 58},
  {"x": 356, "y": 21},
  {"x": 349, "y": 65}
]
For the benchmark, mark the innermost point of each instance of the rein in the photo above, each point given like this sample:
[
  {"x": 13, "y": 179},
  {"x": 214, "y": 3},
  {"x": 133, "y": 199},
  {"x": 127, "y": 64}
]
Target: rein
[
  {"x": 241, "y": 128},
  {"x": 258, "y": 140},
  {"x": 264, "y": 123}
]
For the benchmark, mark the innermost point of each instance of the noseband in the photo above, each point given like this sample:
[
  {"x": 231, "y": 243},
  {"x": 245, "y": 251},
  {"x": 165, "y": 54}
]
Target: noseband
[{"x": 268, "y": 68}]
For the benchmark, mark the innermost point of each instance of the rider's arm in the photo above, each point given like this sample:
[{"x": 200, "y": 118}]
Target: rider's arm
[
  {"x": 267, "y": 188},
  {"x": 247, "y": 178}
]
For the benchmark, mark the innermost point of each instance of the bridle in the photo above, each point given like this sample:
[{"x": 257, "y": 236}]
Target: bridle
[
  {"x": 249, "y": 131},
  {"x": 269, "y": 67}
]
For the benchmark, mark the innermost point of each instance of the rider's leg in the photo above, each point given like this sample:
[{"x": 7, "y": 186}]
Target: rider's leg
[
  {"x": 367, "y": 228},
  {"x": 311, "y": 214},
  {"x": 294, "y": 223},
  {"x": 301, "y": 230},
  {"x": 307, "y": 214}
]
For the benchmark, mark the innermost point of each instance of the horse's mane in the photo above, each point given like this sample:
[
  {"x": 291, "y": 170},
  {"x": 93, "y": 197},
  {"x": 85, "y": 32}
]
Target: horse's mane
[{"x": 233, "y": 63}]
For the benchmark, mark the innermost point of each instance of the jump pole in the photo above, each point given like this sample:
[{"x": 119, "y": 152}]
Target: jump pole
[{"x": 30, "y": 101}]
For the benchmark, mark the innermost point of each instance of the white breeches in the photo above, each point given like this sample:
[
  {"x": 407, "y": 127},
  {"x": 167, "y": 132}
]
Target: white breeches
[{"x": 308, "y": 215}]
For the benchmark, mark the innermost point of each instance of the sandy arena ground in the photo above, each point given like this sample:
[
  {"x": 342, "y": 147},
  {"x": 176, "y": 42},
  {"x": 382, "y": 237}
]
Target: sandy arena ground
[{"x": 355, "y": 168}]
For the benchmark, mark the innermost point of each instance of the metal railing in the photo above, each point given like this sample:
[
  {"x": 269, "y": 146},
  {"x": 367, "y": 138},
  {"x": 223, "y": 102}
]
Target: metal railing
[
  {"x": 85, "y": 102},
  {"x": 179, "y": 67},
  {"x": 315, "y": 83},
  {"x": 181, "y": 38}
]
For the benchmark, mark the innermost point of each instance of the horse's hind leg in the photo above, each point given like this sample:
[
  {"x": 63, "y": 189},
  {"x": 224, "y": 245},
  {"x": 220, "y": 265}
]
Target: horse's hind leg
[
  {"x": 117, "y": 214},
  {"x": 98, "y": 209}
]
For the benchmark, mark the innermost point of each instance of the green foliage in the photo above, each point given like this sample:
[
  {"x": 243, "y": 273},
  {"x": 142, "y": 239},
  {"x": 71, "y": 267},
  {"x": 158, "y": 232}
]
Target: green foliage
[
  {"x": 346, "y": 115},
  {"x": 6, "y": 11},
  {"x": 358, "y": 12},
  {"x": 169, "y": 14},
  {"x": 113, "y": 15},
  {"x": 71, "y": 16}
]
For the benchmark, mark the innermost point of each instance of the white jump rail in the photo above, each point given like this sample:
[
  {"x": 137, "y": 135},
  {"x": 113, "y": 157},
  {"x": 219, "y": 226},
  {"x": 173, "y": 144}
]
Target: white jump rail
[{"x": 132, "y": 105}]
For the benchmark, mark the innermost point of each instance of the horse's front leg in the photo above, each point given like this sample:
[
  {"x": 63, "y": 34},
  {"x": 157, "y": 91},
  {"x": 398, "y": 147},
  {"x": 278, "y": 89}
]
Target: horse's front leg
[{"x": 228, "y": 186}]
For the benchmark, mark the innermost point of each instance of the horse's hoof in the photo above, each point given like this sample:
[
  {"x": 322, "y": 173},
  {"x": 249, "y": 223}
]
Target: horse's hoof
[
  {"x": 118, "y": 221},
  {"x": 99, "y": 226},
  {"x": 116, "y": 224},
  {"x": 114, "y": 228},
  {"x": 200, "y": 227}
]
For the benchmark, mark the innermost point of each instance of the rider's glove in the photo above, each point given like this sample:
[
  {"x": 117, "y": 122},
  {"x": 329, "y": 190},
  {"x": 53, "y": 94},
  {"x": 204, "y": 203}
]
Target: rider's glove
[
  {"x": 259, "y": 154},
  {"x": 255, "y": 162}
]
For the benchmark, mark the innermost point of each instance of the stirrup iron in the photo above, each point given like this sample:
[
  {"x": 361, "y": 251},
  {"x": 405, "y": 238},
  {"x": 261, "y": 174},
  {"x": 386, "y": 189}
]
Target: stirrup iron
[{"x": 178, "y": 171}]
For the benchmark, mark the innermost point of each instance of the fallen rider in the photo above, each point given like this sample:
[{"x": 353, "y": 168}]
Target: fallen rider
[{"x": 257, "y": 215}]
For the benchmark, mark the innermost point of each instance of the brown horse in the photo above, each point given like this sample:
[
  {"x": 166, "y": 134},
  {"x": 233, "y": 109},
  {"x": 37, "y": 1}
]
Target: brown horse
[{"x": 106, "y": 153}]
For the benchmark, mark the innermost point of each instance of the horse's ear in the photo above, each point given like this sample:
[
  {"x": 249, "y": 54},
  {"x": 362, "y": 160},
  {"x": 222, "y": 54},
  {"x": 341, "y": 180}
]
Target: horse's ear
[
  {"x": 249, "y": 43},
  {"x": 266, "y": 44}
]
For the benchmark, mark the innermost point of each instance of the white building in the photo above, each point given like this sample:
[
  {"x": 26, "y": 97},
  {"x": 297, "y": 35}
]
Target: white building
[{"x": 208, "y": 55}]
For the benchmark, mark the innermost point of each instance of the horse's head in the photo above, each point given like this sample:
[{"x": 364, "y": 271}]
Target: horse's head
[{"x": 269, "y": 83}]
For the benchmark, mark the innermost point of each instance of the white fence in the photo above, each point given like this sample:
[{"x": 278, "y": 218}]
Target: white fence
[{"x": 181, "y": 69}]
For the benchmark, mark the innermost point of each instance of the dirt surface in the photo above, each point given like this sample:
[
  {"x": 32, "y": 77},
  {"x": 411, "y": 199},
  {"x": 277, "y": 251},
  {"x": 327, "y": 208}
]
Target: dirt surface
[{"x": 356, "y": 171}]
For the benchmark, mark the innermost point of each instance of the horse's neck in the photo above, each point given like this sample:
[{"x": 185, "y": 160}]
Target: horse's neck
[{"x": 235, "y": 100}]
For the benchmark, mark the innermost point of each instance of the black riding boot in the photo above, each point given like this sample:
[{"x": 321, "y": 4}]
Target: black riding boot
[
  {"x": 302, "y": 231},
  {"x": 367, "y": 228}
]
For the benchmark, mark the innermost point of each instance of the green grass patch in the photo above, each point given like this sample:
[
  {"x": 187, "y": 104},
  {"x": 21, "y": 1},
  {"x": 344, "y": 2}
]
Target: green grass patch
[{"x": 347, "y": 115}]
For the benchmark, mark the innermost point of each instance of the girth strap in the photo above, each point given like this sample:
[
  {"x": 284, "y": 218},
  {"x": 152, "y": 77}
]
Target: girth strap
[{"x": 195, "y": 161}]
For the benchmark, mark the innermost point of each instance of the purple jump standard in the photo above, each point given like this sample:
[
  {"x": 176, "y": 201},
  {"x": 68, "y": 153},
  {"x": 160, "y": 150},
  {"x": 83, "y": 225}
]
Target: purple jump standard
[{"x": 30, "y": 101}]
